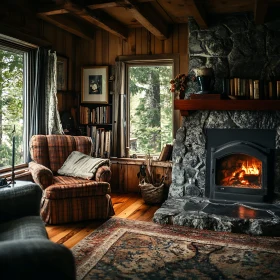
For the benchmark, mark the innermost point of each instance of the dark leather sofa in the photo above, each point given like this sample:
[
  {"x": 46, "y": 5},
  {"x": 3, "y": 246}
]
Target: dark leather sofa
[{"x": 25, "y": 250}]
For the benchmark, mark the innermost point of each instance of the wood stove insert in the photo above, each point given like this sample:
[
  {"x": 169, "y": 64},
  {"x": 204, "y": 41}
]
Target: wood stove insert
[{"x": 240, "y": 164}]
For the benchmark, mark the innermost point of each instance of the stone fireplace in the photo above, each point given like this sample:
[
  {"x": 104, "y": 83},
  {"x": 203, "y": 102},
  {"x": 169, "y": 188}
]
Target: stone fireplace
[{"x": 226, "y": 164}]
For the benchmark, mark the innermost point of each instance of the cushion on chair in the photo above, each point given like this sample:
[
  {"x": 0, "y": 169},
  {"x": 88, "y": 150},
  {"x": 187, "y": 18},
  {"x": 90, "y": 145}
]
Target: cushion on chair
[
  {"x": 65, "y": 187},
  {"x": 80, "y": 165}
]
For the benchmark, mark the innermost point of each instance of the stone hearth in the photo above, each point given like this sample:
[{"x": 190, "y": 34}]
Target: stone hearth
[
  {"x": 200, "y": 213},
  {"x": 234, "y": 47}
]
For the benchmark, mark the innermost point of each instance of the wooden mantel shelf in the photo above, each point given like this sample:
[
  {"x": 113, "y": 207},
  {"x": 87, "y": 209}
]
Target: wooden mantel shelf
[{"x": 225, "y": 105}]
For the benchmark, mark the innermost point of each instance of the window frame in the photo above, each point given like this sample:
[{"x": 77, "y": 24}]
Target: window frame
[
  {"x": 127, "y": 67},
  {"x": 18, "y": 46},
  {"x": 149, "y": 60}
]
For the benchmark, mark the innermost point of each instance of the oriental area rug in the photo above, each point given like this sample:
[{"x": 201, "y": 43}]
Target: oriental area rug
[{"x": 127, "y": 249}]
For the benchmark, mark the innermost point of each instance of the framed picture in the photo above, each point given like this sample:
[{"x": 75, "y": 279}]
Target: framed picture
[
  {"x": 94, "y": 82},
  {"x": 62, "y": 73}
]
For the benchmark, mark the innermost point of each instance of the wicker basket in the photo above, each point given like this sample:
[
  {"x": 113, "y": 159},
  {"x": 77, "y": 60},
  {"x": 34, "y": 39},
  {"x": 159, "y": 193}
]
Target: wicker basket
[{"x": 151, "y": 194}]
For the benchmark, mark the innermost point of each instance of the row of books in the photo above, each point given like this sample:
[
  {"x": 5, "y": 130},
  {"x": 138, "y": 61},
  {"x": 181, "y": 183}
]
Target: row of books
[
  {"x": 102, "y": 142},
  {"x": 166, "y": 153},
  {"x": 99, "y": 115},
  {"x": 101, "y": 139},
  {"x": 252, "y": 89}
]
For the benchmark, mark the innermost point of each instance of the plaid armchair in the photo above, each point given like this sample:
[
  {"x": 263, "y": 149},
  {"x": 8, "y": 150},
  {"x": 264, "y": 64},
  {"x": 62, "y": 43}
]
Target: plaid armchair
[{"x": 68, "y": 199}]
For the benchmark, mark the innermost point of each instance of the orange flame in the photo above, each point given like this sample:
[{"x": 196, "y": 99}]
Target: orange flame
[
  {"x": 247, "y": 169},
  {"x": 252, "y": 169}
]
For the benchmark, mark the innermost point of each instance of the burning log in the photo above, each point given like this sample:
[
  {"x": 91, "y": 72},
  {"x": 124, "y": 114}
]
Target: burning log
[{"x": 240, "y": 177}]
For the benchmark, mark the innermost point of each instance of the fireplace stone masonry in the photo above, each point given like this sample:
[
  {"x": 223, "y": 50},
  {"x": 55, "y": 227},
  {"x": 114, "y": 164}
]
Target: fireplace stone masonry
[{"x": 234, "y": 47}]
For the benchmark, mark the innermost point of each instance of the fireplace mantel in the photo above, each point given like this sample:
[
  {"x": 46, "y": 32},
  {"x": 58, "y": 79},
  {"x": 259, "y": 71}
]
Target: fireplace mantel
[{"x": 225, "y": 105}]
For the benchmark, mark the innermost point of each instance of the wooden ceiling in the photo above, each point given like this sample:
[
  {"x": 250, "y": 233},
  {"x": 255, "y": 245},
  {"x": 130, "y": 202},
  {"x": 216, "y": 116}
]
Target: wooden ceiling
[{"x": 157, "y": 16}]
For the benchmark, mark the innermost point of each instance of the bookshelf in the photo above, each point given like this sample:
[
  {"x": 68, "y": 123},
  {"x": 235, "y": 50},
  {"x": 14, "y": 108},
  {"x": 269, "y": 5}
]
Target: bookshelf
[
  {"x": 96, "y": 122},
  {"x": 225, "y": 105}
]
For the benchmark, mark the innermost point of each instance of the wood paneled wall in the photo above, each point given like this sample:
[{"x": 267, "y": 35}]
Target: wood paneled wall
[
  {"x": 124, "y": 175},
  {"x": 104, "y": 49}
]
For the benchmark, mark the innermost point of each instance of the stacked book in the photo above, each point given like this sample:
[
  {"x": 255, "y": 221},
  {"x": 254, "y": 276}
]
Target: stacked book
[
  {"x": 251, "y": 88},
  {"x": 102, "y": 141},
  {"x": 98, "y": 115}
]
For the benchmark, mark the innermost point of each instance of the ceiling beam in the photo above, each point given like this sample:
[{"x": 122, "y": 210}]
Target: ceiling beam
[
  {"x": 93, "y": 4},
  {"x": 51, "y": 9},
  {"x": 99, "y": 19},
  {"x": 74, "y": 27},
  {"x": 145, "y": 15},
  {"x": 260, "y": 10},
  {"x": 198, "y": 13}
]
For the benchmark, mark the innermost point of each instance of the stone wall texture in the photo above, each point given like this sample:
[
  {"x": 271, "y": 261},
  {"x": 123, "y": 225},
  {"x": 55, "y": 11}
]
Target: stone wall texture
[{"x": 234, "y": 47}]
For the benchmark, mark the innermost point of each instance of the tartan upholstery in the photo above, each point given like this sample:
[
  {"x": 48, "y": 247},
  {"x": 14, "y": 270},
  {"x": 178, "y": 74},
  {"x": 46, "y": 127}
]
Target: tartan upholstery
[
  {"x": 68, "y": 199},
  {"x": 65, "y": 187},
  {"x": 76, "y": 209},
  {"x": 52, "y": 150},
  {"x": 42, "y": 175},
  {"x": 39, "y": 150},
  {"x": 102, "y": 174}
]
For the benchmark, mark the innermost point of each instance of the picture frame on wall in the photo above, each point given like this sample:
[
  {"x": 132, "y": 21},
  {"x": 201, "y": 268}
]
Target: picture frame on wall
[
  {"x": 62, "y": 73},
  {"x": 94, "y": 83}
]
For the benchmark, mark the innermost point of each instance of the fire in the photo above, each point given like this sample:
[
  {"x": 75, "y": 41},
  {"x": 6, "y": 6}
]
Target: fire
[
  {"x": 252, "y": 169},
  {"x": 240, "y": 171}
]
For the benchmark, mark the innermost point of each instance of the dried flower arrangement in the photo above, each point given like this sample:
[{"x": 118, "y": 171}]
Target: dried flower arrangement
[{"x": 179, "y": 85}]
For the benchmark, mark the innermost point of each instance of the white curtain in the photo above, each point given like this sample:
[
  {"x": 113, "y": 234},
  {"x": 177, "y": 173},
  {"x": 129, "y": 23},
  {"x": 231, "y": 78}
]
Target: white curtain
[{"x": 52, "y": 121}]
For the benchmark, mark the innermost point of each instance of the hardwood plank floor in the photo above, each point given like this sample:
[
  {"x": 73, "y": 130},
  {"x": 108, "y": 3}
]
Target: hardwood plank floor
[{"x": 128, "y": 206}]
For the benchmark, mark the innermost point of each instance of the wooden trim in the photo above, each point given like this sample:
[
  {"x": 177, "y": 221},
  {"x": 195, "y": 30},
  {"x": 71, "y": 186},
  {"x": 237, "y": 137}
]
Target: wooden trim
[
  {"x": 260, "y": 10},
  {"x": 64, "y": 22},
  {"x": 139, "y": 161},
  {"x": 145, "y": 14},
  {"x": 99, "y": 19},
  {"x": 145, "y": 58},
  {"x": 110, "y": 4},
  {"x": 51, "y": 10},
  {"x": 198, "y": 13},
  {"x": 55, "y": 14},
  {"x": 19, "y": 166},
  {"x": 226, "y": 105},
  {"x": 20, "y": 171},
  {"x": 175, "y": 58}
]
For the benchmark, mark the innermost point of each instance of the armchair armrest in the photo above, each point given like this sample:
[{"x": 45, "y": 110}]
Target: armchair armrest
[
  {"x": 19, "y": 200},
  {"x": 35, "y": 259},
  {"x": 41, "y": 175},
  {"x": 103, "y": 174}
]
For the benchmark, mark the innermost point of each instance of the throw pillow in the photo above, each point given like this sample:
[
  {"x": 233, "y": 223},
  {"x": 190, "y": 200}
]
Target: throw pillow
[{"x": 80, "y": 165}]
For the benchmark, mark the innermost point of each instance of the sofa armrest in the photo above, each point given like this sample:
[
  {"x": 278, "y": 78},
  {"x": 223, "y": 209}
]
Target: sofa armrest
[
  {"x": 35, "y": 259},
  {"x": 19, "y": 200},
  {"x": 41, "y": 175},
  {"x": 103, "y": 174}
]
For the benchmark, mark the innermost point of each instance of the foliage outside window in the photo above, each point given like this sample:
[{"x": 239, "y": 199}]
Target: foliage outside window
[
  {"x": 150, "y": 108},
  {"x": 11, "y": 106}
]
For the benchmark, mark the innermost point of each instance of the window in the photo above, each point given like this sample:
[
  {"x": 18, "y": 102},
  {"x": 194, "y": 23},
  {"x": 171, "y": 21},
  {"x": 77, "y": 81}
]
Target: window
[
  {"x": 13, "y": 84},
  {"x": 150, "y": 104}
]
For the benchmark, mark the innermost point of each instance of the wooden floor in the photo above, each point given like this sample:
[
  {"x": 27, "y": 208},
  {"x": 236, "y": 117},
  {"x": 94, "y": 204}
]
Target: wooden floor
[{"x": 129, "y": 206}]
